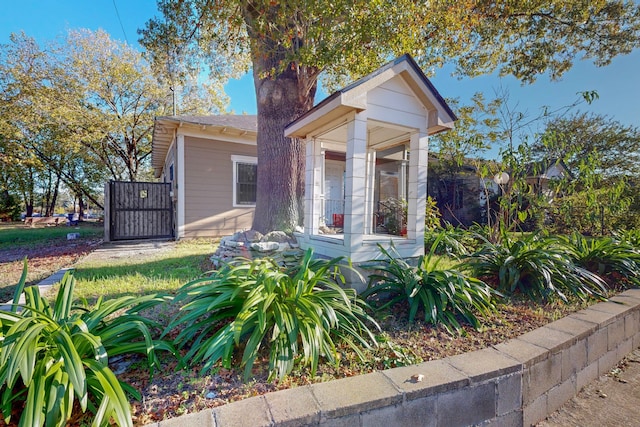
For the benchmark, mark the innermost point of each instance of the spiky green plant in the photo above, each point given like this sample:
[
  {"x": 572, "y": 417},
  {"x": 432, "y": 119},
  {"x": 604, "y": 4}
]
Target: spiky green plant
[
  {"x": 630, "y": 237},
  {"x": 609, "y": 258},
  {"x": 444, "y": 294},
  {"x": 54, "y": 356},
  {"x": 297, "y": 313},
  {"x": 536, "y": 266},
  {"x": 454, "y": 242}
]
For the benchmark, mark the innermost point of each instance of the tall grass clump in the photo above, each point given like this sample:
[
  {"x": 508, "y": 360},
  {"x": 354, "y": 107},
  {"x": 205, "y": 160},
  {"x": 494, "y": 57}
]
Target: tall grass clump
[
  {"x": 296, "y": 314},
  {"x": 534, "y": 265},
  {"x": 443, "y": 294},
  {"x": 616, "y": 261},
  {"x": 54, "y": 359}
]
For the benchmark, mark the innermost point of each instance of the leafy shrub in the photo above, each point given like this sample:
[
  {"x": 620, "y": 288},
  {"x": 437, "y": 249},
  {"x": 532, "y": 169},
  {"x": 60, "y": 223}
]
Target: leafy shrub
[
  {"x": 443, "y": 294},
  {"x": 432, "y": 214},
  {"x": 610, "y": 259},
  {"x": 452, "y": 241},
  {"x": 482, "y": 233},
  {"x": 534, "y": 266},
  {"x": 9, "y": 206},
  {"x": 52, "y": 355},
  {"x": 255, "y": 304},
  {"x": 630, "y": 237}
]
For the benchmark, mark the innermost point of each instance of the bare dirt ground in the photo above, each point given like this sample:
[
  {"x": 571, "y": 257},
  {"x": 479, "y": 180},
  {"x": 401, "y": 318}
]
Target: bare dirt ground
[
  {"x": 613, "y": 400},
  {"x": 42, "y": 262}
]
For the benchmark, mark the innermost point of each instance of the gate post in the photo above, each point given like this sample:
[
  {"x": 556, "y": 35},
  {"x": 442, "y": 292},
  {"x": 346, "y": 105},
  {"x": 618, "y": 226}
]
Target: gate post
[{"x": 107, "y": 212}]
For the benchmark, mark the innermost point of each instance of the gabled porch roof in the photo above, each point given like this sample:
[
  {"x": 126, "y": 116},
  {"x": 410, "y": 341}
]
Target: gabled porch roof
[
  {"x": 386, "y": 115},
  {"x": 353, "y": 98}
]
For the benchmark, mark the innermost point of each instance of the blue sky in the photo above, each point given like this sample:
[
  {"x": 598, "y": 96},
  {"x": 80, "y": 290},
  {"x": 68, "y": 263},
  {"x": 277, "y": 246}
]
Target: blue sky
[{"x": 616, "y": 84}]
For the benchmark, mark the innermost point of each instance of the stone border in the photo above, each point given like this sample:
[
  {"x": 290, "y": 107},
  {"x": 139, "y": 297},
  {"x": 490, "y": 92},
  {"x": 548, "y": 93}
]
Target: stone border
[{"x": 516, "y": 383}]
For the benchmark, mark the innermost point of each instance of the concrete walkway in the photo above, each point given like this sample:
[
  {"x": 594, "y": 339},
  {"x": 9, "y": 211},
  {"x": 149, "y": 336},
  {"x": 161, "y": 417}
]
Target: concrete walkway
[
  {"x": 130, "y": 249},
  {"x": 44, "y": 287},
  {"x": 612, "y": 400}
]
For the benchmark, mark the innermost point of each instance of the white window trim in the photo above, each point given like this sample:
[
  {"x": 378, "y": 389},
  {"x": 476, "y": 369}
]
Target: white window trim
[{"x": 240, "y": 159}]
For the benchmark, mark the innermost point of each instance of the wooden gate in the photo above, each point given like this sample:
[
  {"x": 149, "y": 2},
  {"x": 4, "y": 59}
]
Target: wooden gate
[{"x": 140, "y": 210}]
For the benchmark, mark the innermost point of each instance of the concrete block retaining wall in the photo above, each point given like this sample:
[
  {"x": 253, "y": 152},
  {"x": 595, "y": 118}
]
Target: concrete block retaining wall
[{"x": 516, "y": 383}]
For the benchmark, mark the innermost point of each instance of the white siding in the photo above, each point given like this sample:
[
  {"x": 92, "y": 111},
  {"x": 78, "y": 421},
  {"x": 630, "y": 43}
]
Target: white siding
[{"x": 394, "y": 102}]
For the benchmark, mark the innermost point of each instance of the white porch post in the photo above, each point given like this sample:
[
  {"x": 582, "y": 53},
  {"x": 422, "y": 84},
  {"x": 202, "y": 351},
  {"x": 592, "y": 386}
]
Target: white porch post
[
  {"x": 313, "y": 186},
  {"x": 355, "y": 182},
  {"x": 323, "y": 189},
  {"x": 370, "y": 178},
  {"x": 418, "y": 158},
  {"x": 180, "y": 187},
  {"x": 402, "y": 190}
]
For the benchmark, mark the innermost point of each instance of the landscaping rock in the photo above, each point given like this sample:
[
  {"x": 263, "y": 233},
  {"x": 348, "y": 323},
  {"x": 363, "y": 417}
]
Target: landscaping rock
[
  {"x": 234, "y": 244},
  {"x": 278, "y": 245},
  {"x": 265, "y": 246},
  {"x": 226, "y": 240},
  {"x": 250, "y": 236},
  {"x": 277, "y": 236}
]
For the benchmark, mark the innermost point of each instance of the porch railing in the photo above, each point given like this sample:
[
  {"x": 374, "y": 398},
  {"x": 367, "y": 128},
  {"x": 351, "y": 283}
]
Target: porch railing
[{"x": 334, "y": 212}]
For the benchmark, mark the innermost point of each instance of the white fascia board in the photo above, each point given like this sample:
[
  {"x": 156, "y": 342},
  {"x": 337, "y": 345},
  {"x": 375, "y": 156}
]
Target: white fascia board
[
  {"x": 249, "y": 138},
  {"x": 316, "y": 119}
]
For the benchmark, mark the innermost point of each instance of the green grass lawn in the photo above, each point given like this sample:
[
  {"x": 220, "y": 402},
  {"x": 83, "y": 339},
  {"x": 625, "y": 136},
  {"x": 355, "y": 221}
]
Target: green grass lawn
[
  {"x": 162, "y": 272},
  {"x": 17, "y": 235}
]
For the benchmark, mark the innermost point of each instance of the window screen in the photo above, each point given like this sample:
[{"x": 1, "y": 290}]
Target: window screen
[{"x": 246, "y": 183}]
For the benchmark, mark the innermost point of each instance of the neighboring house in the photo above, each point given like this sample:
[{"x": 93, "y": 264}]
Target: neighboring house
[
  {"x": 459, "y": 195},
  {"x": 210, "y": 162},
  {"x": 539, "y": 174}
]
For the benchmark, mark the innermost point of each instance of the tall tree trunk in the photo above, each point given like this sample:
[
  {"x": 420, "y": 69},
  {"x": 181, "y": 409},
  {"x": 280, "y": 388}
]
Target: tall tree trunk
[
  {"x": 46, "y": 198},
  {"x": 281, "y": 161},
  {"x": 29, "y": 209},
  {"x": 80, "y": 207},
  {"x": 54, "y": 197}
]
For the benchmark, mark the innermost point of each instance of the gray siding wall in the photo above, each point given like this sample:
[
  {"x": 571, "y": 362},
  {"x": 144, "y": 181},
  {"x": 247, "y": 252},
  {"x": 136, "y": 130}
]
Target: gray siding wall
[{"x": 208, "y": 187}]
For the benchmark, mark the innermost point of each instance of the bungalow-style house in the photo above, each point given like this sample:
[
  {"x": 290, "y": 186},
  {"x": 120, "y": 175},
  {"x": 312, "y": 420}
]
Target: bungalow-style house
[
  {"x": 210, "y": 162},
  {"x": 366, "y": 144}
]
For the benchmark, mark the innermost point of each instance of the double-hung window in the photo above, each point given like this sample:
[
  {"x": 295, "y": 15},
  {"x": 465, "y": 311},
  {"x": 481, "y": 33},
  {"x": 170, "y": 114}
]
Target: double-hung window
[{"x": 245, "y": 182}]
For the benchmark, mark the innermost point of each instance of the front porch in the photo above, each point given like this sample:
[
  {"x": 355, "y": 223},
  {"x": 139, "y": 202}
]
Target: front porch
[{"x": 366, "y": 163}]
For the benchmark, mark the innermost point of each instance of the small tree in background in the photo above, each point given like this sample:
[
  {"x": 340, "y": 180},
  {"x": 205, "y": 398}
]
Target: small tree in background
[
  {"x": 9, "y": 207},
  {"x": 604, "y": 157}
]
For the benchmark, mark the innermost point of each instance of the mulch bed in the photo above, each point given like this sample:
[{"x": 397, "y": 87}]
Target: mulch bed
[{"x": 175, "y": 392}]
